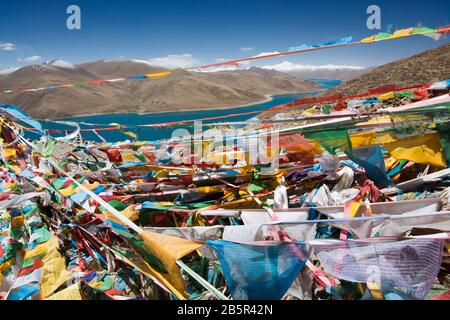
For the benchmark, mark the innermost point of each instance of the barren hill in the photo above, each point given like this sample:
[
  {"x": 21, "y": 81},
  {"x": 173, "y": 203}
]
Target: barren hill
[
  {"x": 181, "y": 90},
  {"x": 427, "y": 67}
]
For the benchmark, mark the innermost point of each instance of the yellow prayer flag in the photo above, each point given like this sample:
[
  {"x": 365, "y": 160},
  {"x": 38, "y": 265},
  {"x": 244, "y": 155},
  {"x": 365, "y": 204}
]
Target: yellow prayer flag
[
  {"x": 369, "y": 39},
  {"x": 147, "y": 270},
  {"x": 385, "y": 137},
  {"x": 9, "y": 153},
  {"x": 67, "y": 192},
  {"x": 169, "y": 249},
  {"x": 161, "y": 173},
  {"x": 208, "y": 189},
  {"x": 375, "y": 290},
  {"x": 390, "y": 163},
  {"x": 422, "y": 149},
  {"x": 206, "y": 148},
  {"x": 310, "y": 112},
  {"x": 129, "y": 213},
  {"x": 5, "y": 266},
  {"x": 363, "y": 139},
  {"x": 128, "y": 156},
  {"x": 70, "y": 293},
  {"x": 10, "y": 185},
  {"x": 159, "y": 74},
  {"x": 17, "y": 222},
  {"x": 402, "y": 33},
  {"x": 166, "y": 204},
  {"x": 375, "y": 120},
  {"x": 351, "y": 208},
  {"x": 386, "y": 96},
  {"x": 54, "y": 275},
  {"x": 88, "y": 186},
  {"x": 53, "y": 254},
  {"x": 317, "y": 148},
  {"x": 130, "y": 134},
  {"x": 45, "y": 247},
  {"x": 14, "y": 168}
]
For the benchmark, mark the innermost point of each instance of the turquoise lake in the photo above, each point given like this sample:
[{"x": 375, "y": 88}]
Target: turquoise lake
[
  {"x": 326, "y": 83},
  {"x": 153, "y": 134}
]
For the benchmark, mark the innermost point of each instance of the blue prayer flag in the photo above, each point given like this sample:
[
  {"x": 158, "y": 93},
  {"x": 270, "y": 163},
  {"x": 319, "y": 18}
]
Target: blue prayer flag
[
  {"x": 371, "y": 159},
  {"x": 261, "y": 270}
]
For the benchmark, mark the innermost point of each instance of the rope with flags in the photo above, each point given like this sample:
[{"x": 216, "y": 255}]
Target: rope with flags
[{"x": 343, "y": 42}]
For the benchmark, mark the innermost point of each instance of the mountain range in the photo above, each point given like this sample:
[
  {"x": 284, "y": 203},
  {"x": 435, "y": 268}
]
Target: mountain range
[
  {"x": 185, "y": 90},
  {"x": 182, "y": 90},
  {"x": 330, "y": 71}
]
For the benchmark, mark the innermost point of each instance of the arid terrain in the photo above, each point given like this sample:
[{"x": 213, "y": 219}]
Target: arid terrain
[{"x": 182, "y": 90}]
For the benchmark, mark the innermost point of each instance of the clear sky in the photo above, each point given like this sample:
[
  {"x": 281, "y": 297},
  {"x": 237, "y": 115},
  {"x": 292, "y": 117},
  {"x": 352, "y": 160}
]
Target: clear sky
[{"x": 201, "y": 31}]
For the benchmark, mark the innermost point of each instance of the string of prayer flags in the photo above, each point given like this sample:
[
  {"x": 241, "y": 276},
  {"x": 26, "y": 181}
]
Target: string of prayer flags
[
  {"x": 420, "y": 30},
  {"x": 81, "y": 220},
  {"x": 341, "y": 41},
  {"x": 21, "y": 115}
]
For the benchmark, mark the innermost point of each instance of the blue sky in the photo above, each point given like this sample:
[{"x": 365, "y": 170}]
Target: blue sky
[{"x": 205, "y": 30}]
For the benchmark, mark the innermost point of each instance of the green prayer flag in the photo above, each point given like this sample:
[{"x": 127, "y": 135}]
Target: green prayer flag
[
  {"x": 326, "y": 109},
  {"x": 49, "y": 148},
  {"x": 141, "y": 157},
  {"x": 16, "y": 233},
  {"x": 332, "y": 140},
  {"x": 28, "y": 262},
  {"x": 404, "y": 94},
  {"x": 382, "y": 36},
  {"x": 421, "y": 30},
  {"x": 198, "y": 205},
  {"x": 119, "y": 206},
  {"x": 58, "y": 184},
  {"x": 444, "y": 133},
  {"x": 106, "y": 285},
  {"x": 58, "y": 198},
  {"x": 81, "y": 84},
  {"x": 254, "y": 188},
  {"x": 43, "y": 235}
]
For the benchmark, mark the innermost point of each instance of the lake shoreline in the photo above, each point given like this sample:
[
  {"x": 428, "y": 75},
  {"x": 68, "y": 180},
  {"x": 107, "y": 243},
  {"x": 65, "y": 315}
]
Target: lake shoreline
[
  {"x": 137, "y": 122},
  {"x": 268, "y": 98}
]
